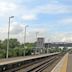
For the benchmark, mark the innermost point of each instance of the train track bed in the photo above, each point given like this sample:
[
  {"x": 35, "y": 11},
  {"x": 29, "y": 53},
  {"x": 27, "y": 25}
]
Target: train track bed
[
  {"x": 42, "y": 65},
  {"x": 38, "y": 64},
  {"x": 50, "y": 67}
]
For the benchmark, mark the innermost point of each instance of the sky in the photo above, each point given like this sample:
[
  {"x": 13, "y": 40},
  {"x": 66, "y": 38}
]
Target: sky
[{"x": 52, "y": 19}]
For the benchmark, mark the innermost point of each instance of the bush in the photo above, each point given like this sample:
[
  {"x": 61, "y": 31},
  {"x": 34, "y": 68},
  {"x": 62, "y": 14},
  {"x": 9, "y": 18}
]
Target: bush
[{"x": 2, "y": 53}]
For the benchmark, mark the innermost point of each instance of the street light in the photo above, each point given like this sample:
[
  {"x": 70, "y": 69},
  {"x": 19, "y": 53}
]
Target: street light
[
  {"x": 36, "y": 41},
  {"x": 8, "y": 36},
  {"x": 48, "y": 46},
  {"x": 25, "y": 38}
]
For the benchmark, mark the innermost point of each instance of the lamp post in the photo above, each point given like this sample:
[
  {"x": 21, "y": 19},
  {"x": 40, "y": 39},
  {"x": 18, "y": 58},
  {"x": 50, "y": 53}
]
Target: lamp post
[
  {"x": 8, "y": 36},
  {"x": 36, "y": 41},
  {"x": 25, "y": 38},
  {"x": 48, "y": 45}
]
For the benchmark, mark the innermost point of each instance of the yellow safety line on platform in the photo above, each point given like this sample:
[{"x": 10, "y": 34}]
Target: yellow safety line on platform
[{"x": 64, "y": 67}]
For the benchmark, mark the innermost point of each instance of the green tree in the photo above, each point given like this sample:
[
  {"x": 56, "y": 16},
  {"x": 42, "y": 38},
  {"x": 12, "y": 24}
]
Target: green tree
[
  {"x": 14, "y": 43},
  {"x": 65, "y": 49},
  {"x": 4, "y": 44},
  {"x": 0, "y": 44},
  {"x": 2, "y": 53}
]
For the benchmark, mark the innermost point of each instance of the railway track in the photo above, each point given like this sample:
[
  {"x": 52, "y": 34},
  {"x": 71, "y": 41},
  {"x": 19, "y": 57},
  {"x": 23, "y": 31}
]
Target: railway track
[
  {"x": 27, "y": 66},
  {"x": 37, "y": 65},
  {"x": 43, "y": 65}
]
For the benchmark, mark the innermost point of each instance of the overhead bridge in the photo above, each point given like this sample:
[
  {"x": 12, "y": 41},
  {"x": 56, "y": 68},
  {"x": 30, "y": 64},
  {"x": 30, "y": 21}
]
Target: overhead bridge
[
  {"x": 13, "y": 64},
  {"x": 58, "y": 44}
]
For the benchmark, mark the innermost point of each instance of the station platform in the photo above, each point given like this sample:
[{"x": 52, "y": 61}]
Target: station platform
[
  {"x": 69, "y": 65},
  {"x": 24, "y": 58},
  {"x": 65, "y": 65}
]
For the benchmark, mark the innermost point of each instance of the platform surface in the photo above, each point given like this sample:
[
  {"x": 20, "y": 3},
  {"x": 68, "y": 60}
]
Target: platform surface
[
  {"x": 69, "y": 65},
  {"x": 24, "y": 58}
]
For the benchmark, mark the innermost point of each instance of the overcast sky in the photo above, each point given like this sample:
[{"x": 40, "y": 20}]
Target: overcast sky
[{"x": 51, "y": 18}]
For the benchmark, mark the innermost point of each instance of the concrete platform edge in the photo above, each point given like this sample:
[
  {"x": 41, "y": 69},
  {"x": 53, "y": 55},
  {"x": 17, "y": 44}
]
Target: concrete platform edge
[{"x": 62, "y": 65}]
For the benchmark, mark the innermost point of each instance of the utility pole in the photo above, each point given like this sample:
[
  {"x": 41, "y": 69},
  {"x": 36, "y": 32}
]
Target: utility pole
[
  {"x": 36, "y": 41},
  {"x": 48, "y": 45},
  {"x": 8, "y": 36},
  {"x": 25, "y": 38}
]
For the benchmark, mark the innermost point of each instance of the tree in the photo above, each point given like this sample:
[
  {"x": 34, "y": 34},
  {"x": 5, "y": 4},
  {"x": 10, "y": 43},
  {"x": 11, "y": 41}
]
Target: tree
[
  {"x": 65, "y": 49},
  {"x": 14, "y": 43},
  {"x": 51, "y": 50},
  {"x": 0, "y": 44},
  {"x": 15, "y": 48},
  {"x": 2, "y": 53},
  {"x": 4, "y": 44}
]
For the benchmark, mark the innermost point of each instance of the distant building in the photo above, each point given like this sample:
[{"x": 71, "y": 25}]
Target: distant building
[
  {"x": 40, "y": 43},
  {"x": 40, "y": 46}
]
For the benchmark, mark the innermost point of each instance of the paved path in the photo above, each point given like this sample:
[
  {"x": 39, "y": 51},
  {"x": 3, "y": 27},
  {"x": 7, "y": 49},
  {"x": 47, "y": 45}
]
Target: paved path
[{"x": 69, "y": 66}]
